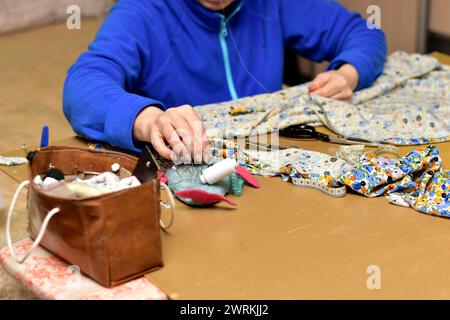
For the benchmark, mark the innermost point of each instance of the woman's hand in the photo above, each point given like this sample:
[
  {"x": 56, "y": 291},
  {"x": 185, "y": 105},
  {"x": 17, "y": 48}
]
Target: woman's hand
[
  {"x": 177, "y": 133},
  {"x": 337, "y": 84}
]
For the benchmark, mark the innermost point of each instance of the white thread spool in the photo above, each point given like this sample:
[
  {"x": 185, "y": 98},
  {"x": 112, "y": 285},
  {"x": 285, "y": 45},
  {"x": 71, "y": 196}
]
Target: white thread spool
[
  {"x": 218, "y": 171},
  {"x": 115, "y": 167}
]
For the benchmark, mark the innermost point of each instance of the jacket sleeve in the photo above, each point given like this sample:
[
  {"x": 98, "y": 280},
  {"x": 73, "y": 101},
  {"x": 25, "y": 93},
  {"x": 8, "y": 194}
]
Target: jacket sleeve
[
  {"x": 324, "y": 30},
  {"x": 97, "y": 99}
]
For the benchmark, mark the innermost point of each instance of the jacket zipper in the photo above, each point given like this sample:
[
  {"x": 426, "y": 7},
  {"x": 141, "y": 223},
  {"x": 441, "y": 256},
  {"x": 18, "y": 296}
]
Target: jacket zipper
[{"x": 226, "y": 57}]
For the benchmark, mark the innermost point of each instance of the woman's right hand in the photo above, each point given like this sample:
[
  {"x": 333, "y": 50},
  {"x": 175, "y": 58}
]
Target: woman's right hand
[{"x": 177, "y": 133}]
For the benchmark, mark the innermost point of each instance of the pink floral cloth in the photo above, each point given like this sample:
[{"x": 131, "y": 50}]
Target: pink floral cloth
[{"x": 48, "y": 277}]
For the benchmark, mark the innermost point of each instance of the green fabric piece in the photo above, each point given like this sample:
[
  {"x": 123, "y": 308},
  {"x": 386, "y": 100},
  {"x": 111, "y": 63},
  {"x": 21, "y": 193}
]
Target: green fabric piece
[{"x": 187, "y": 177}]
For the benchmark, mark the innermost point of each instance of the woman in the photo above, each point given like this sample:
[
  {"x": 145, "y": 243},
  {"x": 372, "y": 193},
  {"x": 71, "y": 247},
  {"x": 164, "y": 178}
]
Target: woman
[{"x": 152, "y": 59}]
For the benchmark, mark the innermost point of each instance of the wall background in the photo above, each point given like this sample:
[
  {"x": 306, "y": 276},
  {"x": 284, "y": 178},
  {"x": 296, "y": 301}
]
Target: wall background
[
  {"x": 440, "y": 17},
  {"x": 410, "y": 25}
]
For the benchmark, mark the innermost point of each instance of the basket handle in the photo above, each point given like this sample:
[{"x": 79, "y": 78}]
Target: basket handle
[
  {"x": 41, "y": 233},
  {"x": 54, "y": 211},
  {"x": 170, "y": 205}
]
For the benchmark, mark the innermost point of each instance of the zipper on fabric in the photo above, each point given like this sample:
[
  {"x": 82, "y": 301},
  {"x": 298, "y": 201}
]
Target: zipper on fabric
[{"x": 226, "y": 57}]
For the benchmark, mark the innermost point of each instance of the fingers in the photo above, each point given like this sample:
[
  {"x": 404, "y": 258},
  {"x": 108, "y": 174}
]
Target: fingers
[
  {"x": 195, "y": 123},
  {"x": 333, "y": 86},
  {"x": 200, "y": 142},
  {"x": 158, "y": 143},
  {"x": 162, "y": 132},
  {"x": 199, "y": 145},
  {"x": 182, "y": 128},
  {"x": 320, "y": 81},
  {"x": 344, "y": 95},
  {"x": 186, "y": 142},
  {"x": 173, "y": 138},
  {"x": 336, "y": 87}
]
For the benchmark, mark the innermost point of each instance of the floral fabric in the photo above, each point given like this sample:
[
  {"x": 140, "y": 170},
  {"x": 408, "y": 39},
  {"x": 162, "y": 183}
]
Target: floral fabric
[
  {"x": 48, "y": 277},
  {"x": 416, "y": 180},
  {"x": 301, "y": 167}
]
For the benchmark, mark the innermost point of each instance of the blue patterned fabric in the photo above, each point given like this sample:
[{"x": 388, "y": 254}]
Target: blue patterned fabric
[{"x": 409, "y": 104}]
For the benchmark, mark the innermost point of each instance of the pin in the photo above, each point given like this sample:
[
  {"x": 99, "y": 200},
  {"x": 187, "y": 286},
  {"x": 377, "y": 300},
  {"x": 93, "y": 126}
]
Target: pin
[
  {"x": 175, "y": 162},
  {"x": 174, "y": 167},
  {"x": 189, "y": 168}
]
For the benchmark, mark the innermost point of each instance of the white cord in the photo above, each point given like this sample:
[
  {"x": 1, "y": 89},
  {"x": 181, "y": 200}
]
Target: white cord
[
  {"x": 54, "y": 211},
  {"x": 241, "y": 60},
  {"x": 41, "y": 233},
  {"x": 170, "y": 205}
]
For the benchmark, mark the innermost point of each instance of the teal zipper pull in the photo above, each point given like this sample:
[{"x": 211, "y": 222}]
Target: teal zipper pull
[{"x": 223, "y": 28}]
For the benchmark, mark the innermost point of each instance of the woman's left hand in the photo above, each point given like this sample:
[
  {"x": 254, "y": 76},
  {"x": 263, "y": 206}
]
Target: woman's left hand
[{"x": 337, "y": 84}]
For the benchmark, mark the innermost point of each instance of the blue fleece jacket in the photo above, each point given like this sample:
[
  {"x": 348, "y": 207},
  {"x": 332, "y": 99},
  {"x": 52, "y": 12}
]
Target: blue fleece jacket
[{"x": 172, "y": 52}]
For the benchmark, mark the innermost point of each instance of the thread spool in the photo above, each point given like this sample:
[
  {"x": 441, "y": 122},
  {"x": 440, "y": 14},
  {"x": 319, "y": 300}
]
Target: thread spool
[
  {"x": 115, "y": 167},
  {"x": 218, "y": 171},
  {"x": 55, "y": 174}
]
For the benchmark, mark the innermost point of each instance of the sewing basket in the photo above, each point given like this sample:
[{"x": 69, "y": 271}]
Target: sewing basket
[{"x": 113, "y": 237}]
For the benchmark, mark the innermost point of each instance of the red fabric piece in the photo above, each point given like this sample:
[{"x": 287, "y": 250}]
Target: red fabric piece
[
  {"x": 203, "y": 197},
  {"x": 247, "y": 176}
]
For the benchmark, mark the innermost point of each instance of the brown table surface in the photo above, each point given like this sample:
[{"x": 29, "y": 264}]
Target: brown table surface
[{"x": 285, "y": 242}]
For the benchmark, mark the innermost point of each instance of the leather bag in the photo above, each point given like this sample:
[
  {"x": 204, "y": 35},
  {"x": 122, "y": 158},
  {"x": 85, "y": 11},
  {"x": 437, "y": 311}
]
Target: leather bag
[{"x": 113, "y": 237}]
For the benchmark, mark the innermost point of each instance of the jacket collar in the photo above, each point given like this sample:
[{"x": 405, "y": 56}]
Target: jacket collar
[{"x": 208, "y": 19}]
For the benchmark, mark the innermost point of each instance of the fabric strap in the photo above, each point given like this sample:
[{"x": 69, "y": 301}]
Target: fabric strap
[
  {"x": 41, "y": 233},
  {"x": 54, "y": 211}
]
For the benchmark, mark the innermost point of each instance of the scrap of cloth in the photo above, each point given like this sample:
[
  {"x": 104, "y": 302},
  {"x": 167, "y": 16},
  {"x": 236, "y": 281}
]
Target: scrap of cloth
[
  {"x": 416, "y": 180},
  {"x": 12, "y": 161},
  {"x": 409, "y": 104},
  {"x": 303, "y": 168},
  {"x": 187, "y": 177}
]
